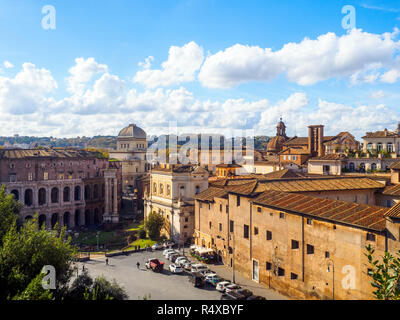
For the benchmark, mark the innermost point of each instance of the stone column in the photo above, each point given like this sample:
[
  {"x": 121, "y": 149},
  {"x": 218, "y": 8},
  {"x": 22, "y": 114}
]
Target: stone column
[
  {"x": 115, "y": 209},
  {"x": 107, "y": 195}
]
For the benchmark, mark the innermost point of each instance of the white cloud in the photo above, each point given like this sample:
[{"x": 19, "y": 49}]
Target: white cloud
[
  {"x": 27, "y": 92},
  {"x": 147, "y": 62},
  {"x": 305, "y": 63},
  {"x": 390, "y": 76},
  {"x": 378, "y": 94},
  {"x": 181, "y": 66},
  {"x": 82, "y": 72},
  {"x": 8, "y": 65}
]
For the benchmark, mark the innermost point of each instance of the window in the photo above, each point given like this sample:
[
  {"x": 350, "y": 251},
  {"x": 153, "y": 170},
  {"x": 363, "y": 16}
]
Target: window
[
  {"x": 281, "y": 272},
  {"x": 259, "y": 209},
  {"x": 168, "y": 189},
  {"x": 327, "y": 254},
  {"x": 210, "y": 224},
  {"x": 231, "y": 226},
  {"x": 186, "y": 219},
  {"x": 281, "y": 215},
  {"x": 220, "y": 207},
  {"x": 161, "y": 188},
  {"x": 13, "y": 177},
  {"x": 309, "y": 221},
  {"x": 220, "y": 227},
  {"x": 295, "y": 244},
  {"x": 197, "y": 190},
  {"x": 209, "y": 206},
  {"x": 294, "y": 158},
  {"x": 30, "y": 176},
  {"x": 255, "y": 230},
  {"x": 293, "y": 276},
  {"x": 269, "y": 235},
  {"x": 246, "y": 231},
  {"x": 227, "y": 209},
  {"x": 45, "y": 176},
  {"x": 238, "y": 201},
  {"x": 370, "y": 237},
  {"x": 154, "y": 187},
  {"x": 268, "y": 266},
  {"x": 310, "y": 249}
]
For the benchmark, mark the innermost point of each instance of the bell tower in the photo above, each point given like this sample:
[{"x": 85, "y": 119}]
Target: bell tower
[{"x": 281, "y": 129}]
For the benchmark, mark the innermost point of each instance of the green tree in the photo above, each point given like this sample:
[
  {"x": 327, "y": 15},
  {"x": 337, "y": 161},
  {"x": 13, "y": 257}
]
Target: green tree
[
  {"x": 153, "y": 225},
  {"x": 385, "y": 274},
  {"x": 9, "y": 209},
  {"x": 105, "y": 289},
  {"x": 24, "y": 253},
  {"x": 35, "y": 291}
]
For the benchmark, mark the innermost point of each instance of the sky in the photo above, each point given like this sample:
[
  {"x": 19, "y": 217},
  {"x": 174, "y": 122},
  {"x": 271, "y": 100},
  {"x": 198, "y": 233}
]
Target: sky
[{"x": 85, "y": 68}]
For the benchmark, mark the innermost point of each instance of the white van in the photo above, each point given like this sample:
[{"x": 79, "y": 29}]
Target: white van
[{"x": 198, "y": 267}]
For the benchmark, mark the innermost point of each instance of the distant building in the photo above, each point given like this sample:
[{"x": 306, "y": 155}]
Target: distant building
[
  {"x": 385, "y": 140},
  {"x": 71, "y": 187},
  {"x": 131, "y": 151},
  {"x": 171, "y": 194}
]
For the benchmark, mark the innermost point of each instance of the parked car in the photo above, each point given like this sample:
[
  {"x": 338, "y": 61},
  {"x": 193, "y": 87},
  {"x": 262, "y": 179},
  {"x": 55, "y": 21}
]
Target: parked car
[
  {"x": 168, "y": 244},
  {"x": 247, "y": 293},
  {"x": 181, "y": 258},
  {"x": 210, "y": 276},
  {"x": 214, "y": 281},
  {"x": 221, "y": 286},
  {"x": 166, "y": 251},
  {"x": 197, "y": 279},
  {"x": 155, "y": 265},
  {"x": 253, "y": 297},
  {"x": 175, "y": 269},
  {"x": 198, "y": 267},
  {"x": 232, "y": 287},
  {"x": 169, "y": 254},
  {"x": 182, "y": 262},
  {"x": 187, "y": 266},
  {"x": 208, "y": 272},
  {"x": 157, "y": 246},
  {"x": 232, "y": 296}
]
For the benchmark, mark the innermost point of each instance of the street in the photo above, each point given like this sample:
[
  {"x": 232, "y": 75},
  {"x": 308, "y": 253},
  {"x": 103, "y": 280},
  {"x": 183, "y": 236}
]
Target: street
[{"x": 165, "y": 286}]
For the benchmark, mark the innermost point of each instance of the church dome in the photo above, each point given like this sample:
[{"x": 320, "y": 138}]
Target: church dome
[
  {"x": 132, "y": 131},
  {"x": 276, "y": 144}
]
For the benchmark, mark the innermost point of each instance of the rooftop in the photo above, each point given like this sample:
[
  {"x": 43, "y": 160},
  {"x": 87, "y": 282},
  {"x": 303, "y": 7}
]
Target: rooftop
[
  {"x": 359, "y": 215},
  {"x": 48, "y": 153}
]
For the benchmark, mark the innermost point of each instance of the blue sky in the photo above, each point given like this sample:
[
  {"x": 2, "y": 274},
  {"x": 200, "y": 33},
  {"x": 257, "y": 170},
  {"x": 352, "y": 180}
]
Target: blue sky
[{"x": 234, "y": 82}]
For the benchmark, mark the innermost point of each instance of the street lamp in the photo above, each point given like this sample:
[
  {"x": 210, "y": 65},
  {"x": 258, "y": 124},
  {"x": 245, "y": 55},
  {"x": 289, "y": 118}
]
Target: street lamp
[
  {"x": 97, "y": 236},
  {"x": 330, "y": 263}
]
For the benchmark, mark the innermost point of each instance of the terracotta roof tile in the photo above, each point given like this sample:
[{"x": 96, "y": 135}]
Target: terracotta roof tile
[
  {"x": 394, "y": 212},
  {"x": 370, "y": 217},
  {"x": 211, "y": 193}
]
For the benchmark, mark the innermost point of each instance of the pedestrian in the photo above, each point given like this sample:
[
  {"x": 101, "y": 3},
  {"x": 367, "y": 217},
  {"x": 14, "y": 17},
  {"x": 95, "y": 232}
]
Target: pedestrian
[
  {"x": 83, "y": 267},
  {"x": 107, "y": 261},
  {"x": 138, "y": 264}
]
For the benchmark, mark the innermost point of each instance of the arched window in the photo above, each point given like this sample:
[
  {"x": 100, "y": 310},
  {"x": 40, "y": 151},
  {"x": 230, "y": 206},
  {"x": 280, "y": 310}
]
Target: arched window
[
  {"x": 390, "y": 147},
  {"x": 379, "y": 146},
  {"x": 161, "y": 188},
  {"x": 54, "y": 195},
  {"x": 352, "y": 167},
  {"x": 28, "y": 199},
  {"x": 42, "y": 220},
  {"x": 54, "y": 219},
  {"x": 15, "y": 193},
  {"x": 369, "y": 146},
  {"x": 87, "y": 192},
  {"x": 168, "y": 190},
  {"x": 66, "y": 195},
  {"x": 42, "y": 196},
  {"x": 362, "y": 167},
  {"x": 373, "y": 167},
  {"x": 154, "y": 187},
  {"x": 66, "y": 219},
  {"x": 77, "y": 193}
]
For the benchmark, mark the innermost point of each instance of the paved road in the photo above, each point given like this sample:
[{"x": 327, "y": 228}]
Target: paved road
[{"x": 165, "y": 286}]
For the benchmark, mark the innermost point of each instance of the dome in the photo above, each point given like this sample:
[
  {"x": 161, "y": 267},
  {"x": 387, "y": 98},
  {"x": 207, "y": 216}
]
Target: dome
[
  {"x": 132, "y": 131},
  {"x": 276, "y": 144}
]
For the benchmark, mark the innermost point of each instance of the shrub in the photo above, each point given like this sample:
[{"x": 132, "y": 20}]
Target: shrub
[{"x": 142, "y": 233}]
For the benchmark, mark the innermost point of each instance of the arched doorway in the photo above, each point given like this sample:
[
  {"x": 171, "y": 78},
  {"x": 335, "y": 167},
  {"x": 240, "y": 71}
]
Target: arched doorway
[
  {"x": 28, "y": 197},
  {"x": 362, "y": 167},
  {"x": 87, "y": 217},
  {"x": 54, "y": 219},
  {"x": 42, "y": 220},
  {"x": 67, "y": 219},
  {"x": 42, "y": 196},
  {"x": 77, "y": 218},
  {"x": 15, "y": 193},
  {"x": 77, "y": 193},
  {"x": 27, "y": 218},
  {"x": 54, "y": 195},
  {"x": 66, "y": 195},
  {"x": 352, "y": 167}
]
